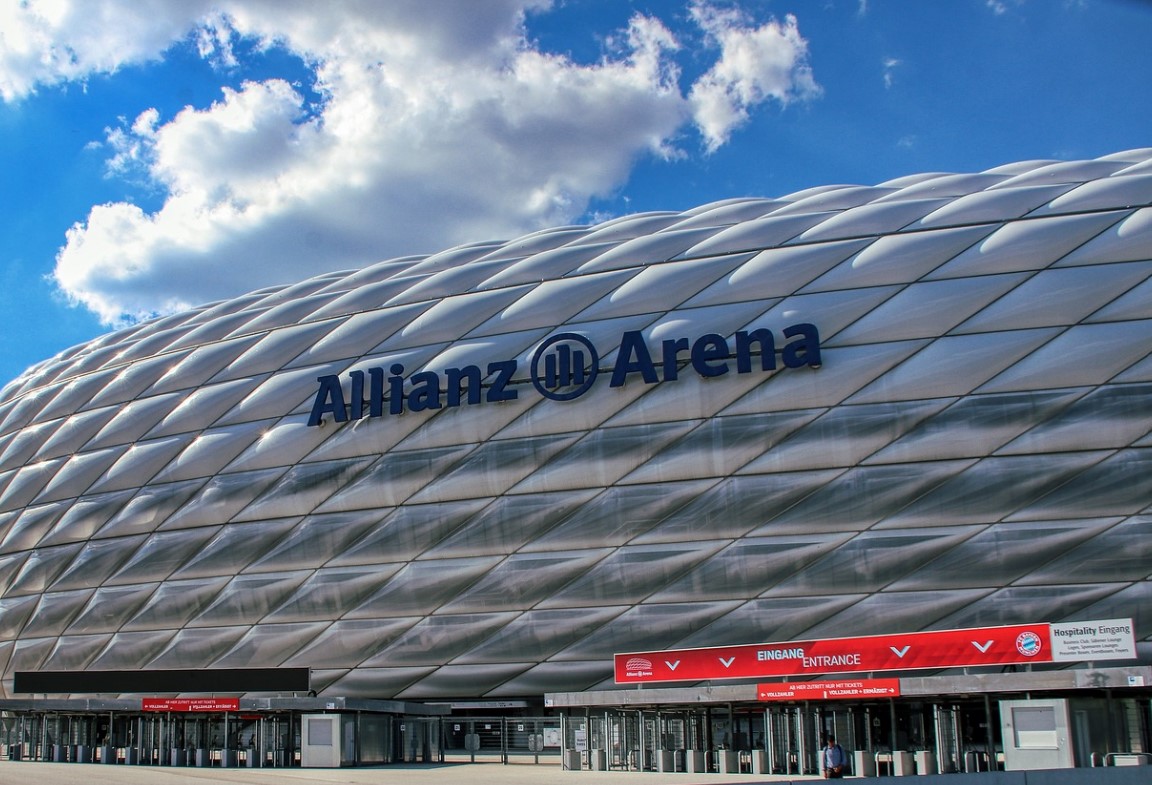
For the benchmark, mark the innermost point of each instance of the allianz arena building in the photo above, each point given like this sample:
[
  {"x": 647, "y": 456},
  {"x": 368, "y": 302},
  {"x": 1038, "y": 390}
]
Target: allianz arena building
[{"x": 479, "y": 474}]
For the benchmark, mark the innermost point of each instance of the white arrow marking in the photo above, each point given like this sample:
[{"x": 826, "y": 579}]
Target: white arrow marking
[
  {"x": 672, "y": 665},
  {"x": 900, "y": 652},
  {"x": 983, "y": 649},
  {"x": 727, "y": 663}
]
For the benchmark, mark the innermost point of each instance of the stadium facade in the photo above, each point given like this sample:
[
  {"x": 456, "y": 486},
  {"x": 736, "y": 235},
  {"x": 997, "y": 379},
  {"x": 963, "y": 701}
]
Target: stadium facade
[{"x": 480, "y": 474}]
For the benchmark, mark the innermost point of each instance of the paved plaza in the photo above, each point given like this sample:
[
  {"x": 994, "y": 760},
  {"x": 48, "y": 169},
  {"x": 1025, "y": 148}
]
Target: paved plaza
[{"x": 38, "y": 773}]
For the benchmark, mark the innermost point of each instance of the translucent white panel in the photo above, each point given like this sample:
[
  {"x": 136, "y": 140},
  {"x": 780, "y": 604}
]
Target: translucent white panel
[
  {"x": 1064, "y": 172},
  {"x": 777, "y": 272},
  {"x": 452, "y": 635},
  {"x": 160, "y": 555},
  {"x": 1103, "y": 194},
  {"x": 128, "y": 650},
  {"x": 202, "y": 406},
  {"x": 523, "y": 580},
  {"x": 991, "y": 489},
  {"x": 210, "y": 451},
  {"x": 28, "y": 481},
  {"x": 859, "y": 498},
  {"x": 32, "y": 524},
  {"x": 267, "y": 444},
  {"x": 15, "y": 611},
  {"x": 553, "y": 302},
  {"x": 1108, "y": 417},
  {"x": 197, "y": 648},
  {"x": 844, "y": 371},
  {"x": 465, "y": 424},
  {"x": 539, "y": 634},
  {"x": 769, "y": 619},
  {"x": 561, "y": 417},
  {"x": 373, "y": 273},
  {"x": 748, "y": 568},
  {"x": 95, "y": 562},
  {"x": 215, "y": 328},
  {"x": 647, "y": 249},
  {"x": 152, "y": 342},
  {"x": 41, "y": 568},
  {"x": 453, "y": 257},
  {"x": 602, "y": 457},
  {"x": 55, "y": 611},
  {"x": 108, "y": 608},
  {"x": 289, "y": 312},
  {"x": 1116, "y": 551},
  {"x": 843, "y": 436},
  {"x": 135, "y": 419},
  {"x": 871, "y": 561},
  {"x": 312, "y": 542},
  {"x": 393, "y": 478},
  {"x": 1136, "y": 304},
  {"x": 1001, "y": 554},
  {"x": 449, "y": 680},
  {"x": 1027, "y": 245},
  {"x": 171, "y": 604},
  {"x": 9, "y": 567},
  {"x": 369, "y": 296},
  {"x": 727, "y": 212},
  {"x": 139, "y": 464},
  {"x": 752, "y": 235},
  {"x": 421, "y": 587},
  {"x": 617, "y": 515},
  {"x": 135, "y": 379},
  {"x": 202, "y": 364},
  {"x": 220, "y": 498},
  {"x": 491, "y": 469},
  {"x": 25, "y": 443},
  {"x": 1056, "y": 297},
  {"x": 74, "y": 652},
  {"x": 79, "y": 472},
  {"x": 249, "y": 598},
  {"x": 830, "y": 311},
  {"x": 900, "y": 610},
  {"x": 302, "y": 488},
  {"x": 718, "y": 447},
  {"x": 74, "y": 394},
  {"x": 952, "y": 366},
  {"x": 450, "y": 318},
  {"x": 276, "y": 349},
  {"x": 1022, "y": 604},
  {"x": 332, "y": 592},
  {"x": 930, "y": 186},
  {"x": 84, "y": 516},
  {"x": 545, "y": 266},
  {"x": 358, "y": 334},
  {"x": 1080, "y": 355},
  {"x": 925, "y": 310},
  {"x": 288, "y": 391},
  {"x": 408, "y": 531},
  {"x": 993, "y": 205},
  {"x": 347, "y": 643},
  {"x": 644, "y": 627},
  {"x": 660, "y": 288},
  {"x": 1121, "y": 484},
  {"x": 974, "y": 426},
  {"x": 838, "y": 197},
  {"x": 869, "y": 219},
  {"x": 534, "y": 243},
  {"x": 899, "y": 258},
  {"x": 149, "y": 507},
  {"x": 1129, "y": 240},
  {"x": 235, "y": 547},
  {"x": 446, "y": 282},
  {"x": 627, "y": 227},
  {"x": 631, "y": 574},
  {"x": 71, "y": 435}
]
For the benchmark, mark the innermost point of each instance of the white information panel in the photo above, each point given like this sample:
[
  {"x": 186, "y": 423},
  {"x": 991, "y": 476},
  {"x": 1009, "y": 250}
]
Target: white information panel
[{"x": 1079, "y": 641}]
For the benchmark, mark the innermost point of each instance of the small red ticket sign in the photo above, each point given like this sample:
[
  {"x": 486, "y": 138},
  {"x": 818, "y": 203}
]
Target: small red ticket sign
[
  {"x": 190, "y": 704},
  {"x": 854, "y": 689}
]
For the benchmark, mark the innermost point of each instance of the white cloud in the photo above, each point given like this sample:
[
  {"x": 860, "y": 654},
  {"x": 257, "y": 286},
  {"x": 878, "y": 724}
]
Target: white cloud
[
  {"x": 890, "y": 65},
  {"x": 440, "y": 123},
  {"x": 756, "y": 64}
]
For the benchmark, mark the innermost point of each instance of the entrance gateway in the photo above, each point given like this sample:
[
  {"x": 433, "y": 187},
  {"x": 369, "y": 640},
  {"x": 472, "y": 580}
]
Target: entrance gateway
[{"x": 1012, "y": 719}]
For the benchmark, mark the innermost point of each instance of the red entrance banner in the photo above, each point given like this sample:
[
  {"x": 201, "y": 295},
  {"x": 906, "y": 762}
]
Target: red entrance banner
[
  {"x": 860, "y": 689},
  {"x": 1020, "y": 643},
  {"x": 190, "y": 704}
]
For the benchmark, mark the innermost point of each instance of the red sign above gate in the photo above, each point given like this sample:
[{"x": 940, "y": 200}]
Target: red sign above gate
[
  {"x": 1021, "y": 643},
  {"x": 859, "y": 689},
  {"x": 190, "y": 704}
]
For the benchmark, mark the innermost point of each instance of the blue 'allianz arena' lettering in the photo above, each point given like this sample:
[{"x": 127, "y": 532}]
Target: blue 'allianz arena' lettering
[{"x": 563, "y": 368}]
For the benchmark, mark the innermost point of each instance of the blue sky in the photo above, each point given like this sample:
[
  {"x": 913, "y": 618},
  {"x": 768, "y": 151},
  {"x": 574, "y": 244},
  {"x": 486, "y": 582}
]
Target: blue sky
[{"x": 157, "y": 156}]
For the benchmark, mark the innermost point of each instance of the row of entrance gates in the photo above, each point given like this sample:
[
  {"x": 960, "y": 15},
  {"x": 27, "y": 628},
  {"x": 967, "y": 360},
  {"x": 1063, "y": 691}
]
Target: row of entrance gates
[{"x": 270, "y": 740}]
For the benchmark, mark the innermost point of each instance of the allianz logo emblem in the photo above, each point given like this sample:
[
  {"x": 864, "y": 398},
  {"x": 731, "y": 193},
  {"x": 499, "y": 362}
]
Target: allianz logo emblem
[{"x": 563, "y": 367}]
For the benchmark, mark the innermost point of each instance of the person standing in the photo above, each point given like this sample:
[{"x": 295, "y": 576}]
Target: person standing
[{"x": 833, "y": 760}]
